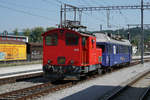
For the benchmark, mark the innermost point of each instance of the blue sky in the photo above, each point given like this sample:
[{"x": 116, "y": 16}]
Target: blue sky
[{"x": 45, "y": 13}]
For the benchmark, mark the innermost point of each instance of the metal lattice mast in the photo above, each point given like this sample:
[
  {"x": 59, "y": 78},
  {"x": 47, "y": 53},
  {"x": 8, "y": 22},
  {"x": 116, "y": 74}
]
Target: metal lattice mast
[
  {"x": 131, "y": 7},
  {"x": 142, "y": 33}
]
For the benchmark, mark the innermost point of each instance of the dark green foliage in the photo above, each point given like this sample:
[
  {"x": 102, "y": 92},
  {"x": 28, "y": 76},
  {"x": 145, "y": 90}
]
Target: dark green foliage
[
  {"x": 50, "y": 28},
  {"x": 15, "y": 32},
  {"x": 134, "y": 32},
  {"x": 35, "y": 34},
  {"x": 26, "y": 32}
]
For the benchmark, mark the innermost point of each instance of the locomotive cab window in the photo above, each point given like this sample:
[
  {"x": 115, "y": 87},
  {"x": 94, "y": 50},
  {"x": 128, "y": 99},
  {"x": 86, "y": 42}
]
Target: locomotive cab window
[
  {"x": 72, "y": 39},
  {"x": 51, "y": 40},
  {"x": 83, "y": 41},
  {"x": 92, "y": 41}
]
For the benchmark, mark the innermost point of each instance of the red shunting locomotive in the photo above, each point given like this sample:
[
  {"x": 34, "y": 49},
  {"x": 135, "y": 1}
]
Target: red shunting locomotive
[{"x": 68, "y": 54}]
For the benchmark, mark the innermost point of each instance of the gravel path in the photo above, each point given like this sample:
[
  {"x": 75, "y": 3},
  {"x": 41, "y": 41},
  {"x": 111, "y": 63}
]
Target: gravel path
[{"x": 95, "y": 88}]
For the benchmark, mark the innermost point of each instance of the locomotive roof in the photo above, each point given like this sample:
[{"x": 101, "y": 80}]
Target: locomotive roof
[
  {"x": 100, "y": 37},
  {"x": 69, "y": 30},
  {"x": 86, "y": 34}
]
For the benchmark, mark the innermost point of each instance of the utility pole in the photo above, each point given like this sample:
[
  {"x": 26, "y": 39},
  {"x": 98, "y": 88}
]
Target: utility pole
[
  {"x": 80, "y": 16},
  {"x": 142, "y": 33},
  {"x": 108, "y": 18},
  {"x": 61, "y": 16},
  {"x": 74, "y": 14},
  {"x": 101, "y": 27},
  {"x": 132, "y": 7},
  {"x": 129, "y": 35}
]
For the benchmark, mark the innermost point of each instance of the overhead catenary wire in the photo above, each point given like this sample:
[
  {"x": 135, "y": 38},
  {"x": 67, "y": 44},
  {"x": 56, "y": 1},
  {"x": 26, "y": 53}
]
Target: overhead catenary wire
[
  {"x": 98, "y": 19},
  {"x": 50, "y": 2},
  {"x": 123, "y": 15},
  {"x": 25, "y": 12},
  {"x": 59, "y": 1},
  {"x": 89, "y": 15},
  {"x": 95, "y": 2},
  {"x": 26, "y": 7},
  {"x": 85, "y": 2}
]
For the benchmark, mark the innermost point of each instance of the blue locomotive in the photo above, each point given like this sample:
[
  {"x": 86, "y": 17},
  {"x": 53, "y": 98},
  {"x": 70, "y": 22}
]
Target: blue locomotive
[{"x": 115, "y": 52}]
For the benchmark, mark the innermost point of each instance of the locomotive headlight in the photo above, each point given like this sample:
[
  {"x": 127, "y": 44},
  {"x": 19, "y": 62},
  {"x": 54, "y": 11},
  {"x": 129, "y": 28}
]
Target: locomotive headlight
[
  {"x": 49, "y": 61},
  {"x": 72, "y": 61}
]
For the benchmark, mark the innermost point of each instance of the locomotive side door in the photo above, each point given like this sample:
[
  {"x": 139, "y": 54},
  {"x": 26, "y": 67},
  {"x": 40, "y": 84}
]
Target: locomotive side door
[
  {"x": 111, "y": 55},
  {"x": 85, "y": 50}
]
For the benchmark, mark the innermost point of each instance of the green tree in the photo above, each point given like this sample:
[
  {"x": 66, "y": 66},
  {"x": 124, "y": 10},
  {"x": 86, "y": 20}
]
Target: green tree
[
  {"x": 27, "y": 32},
  {"x": 50, "y": 28},
  {"x": 36, "y": 34},
  {"x": 16, "y": 32}
]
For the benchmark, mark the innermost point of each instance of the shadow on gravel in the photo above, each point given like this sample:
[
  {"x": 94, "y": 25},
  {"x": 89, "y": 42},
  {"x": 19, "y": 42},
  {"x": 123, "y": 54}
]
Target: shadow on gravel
[
  {"x": 97, "y": 92},
  {"x": 44, "y": 80},
  {"x": 35, "y": 80}
]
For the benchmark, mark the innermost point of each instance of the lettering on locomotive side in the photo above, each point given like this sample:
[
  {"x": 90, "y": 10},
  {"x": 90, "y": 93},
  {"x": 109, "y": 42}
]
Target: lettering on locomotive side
[{"x": 76, "y": 49}]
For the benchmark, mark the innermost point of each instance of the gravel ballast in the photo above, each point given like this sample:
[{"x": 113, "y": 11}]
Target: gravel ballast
[
  {"x": 93, "y": 89},
  {"x": 22, "y": 84}
]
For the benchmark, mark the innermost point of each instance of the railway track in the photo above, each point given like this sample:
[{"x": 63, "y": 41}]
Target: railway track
[
  {"x": 135, "y": 89},
  {"x": 13, "y": 79},
  {"x": 146, "y": 94},
  {"x": 31, "y": 92},
  {"x": 42, "y": 89}
]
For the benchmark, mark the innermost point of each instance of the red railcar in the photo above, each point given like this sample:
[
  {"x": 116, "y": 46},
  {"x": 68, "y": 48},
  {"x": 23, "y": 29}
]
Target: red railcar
[{"x": 69, "y": 54}]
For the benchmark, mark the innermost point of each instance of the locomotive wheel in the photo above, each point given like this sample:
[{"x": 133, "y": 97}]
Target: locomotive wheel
[
  {"x": 99, "y": 71},
  {"x": 109, "y": 70},
  {"x": 128, "y": 64}
]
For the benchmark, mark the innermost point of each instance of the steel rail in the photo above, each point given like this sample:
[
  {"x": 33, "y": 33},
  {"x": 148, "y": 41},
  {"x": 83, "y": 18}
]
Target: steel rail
[
  {"x": 117, "y": 91},
  {"x": 38, "y": 90},
  {"x": 33, "y": 91},
  {"x": 145, "y": 94},
  {"x": 13, "y": 79}
]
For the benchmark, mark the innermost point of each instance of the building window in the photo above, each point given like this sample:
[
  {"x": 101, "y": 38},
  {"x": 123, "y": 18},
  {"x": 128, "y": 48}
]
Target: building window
[
  {"x": 51, "y": 39},
  {"x": 71, "y": 39},
  {"x": 3, "y": 38}
]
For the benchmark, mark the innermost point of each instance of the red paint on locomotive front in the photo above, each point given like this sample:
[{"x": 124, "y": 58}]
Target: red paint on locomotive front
[{"x": 82, "y": 54}]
